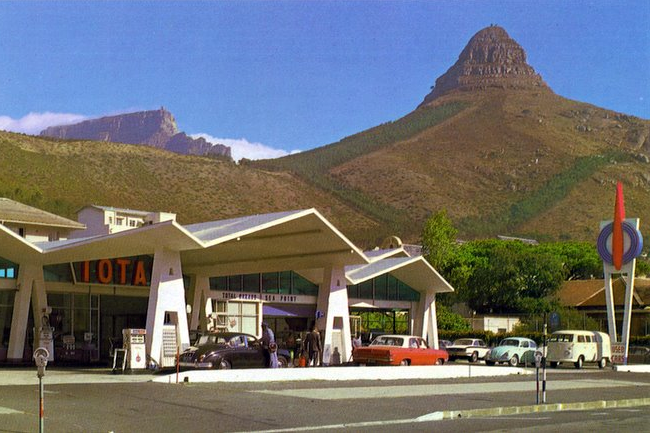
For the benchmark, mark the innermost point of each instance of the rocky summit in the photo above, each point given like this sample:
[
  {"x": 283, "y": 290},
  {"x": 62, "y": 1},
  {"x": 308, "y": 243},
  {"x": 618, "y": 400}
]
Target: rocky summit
[
  {"x": 490, "y": 59},
  {"x": 156, "y": 128}
]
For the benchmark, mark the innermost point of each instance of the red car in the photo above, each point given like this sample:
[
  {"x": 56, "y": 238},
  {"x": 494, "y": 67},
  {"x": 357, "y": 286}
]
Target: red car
[{"x": 398, "y": 350}]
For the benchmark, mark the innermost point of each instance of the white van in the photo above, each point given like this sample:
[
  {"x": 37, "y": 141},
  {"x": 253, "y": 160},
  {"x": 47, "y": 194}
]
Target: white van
[{"x": 579, "y": 347}]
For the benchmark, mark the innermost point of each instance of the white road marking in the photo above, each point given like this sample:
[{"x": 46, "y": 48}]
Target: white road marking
[
  {"x": 397, "y": 391},
  {"x": 8, "y": 411},
  {"x": 487, "y": 413}
]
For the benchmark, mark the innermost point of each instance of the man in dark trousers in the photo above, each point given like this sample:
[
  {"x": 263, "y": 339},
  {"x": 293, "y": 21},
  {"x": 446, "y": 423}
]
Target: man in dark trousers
[
  {"x": 270, "y": 346},
  {"x": 313, "y": 347}
]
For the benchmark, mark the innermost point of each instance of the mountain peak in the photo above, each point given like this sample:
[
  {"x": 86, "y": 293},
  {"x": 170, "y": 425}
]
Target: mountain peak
[
  {"x": 156, "y": 128},
  {"x": 490, "y": 59}
]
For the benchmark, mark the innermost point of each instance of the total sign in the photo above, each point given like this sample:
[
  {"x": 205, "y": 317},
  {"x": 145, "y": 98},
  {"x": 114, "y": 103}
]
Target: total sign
[{"x": 619, "y": 241}]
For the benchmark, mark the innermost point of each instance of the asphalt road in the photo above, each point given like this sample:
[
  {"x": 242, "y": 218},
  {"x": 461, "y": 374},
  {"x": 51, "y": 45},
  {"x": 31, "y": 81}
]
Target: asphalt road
[{"x": 364, "y": 406}]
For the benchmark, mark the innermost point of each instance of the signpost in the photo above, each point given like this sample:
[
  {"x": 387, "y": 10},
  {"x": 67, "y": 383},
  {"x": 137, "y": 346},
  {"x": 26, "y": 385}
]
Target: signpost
[
  {"x": 619, "y": 244},
  {"x": 618, "y": 354}
]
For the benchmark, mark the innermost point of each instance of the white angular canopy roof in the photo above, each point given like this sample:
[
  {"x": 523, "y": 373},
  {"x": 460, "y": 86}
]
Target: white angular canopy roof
[{"x": 252, "y": 244}]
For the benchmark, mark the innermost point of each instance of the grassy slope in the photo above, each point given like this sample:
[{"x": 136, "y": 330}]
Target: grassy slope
[
  {"x": 315, "y": 166},
  {"x": 501, "y": 162},
  {"x": 497, "y": 166},
  {"x": 63, "y": 176}
]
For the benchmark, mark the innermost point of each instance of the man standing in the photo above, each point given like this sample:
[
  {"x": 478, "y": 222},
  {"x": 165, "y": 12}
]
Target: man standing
[
  {"x": 270, "y": 346},
  {"x": 313, "y": 347}
]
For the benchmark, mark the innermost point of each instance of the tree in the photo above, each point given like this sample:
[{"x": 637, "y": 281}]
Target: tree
[
  {"x": 450, "y": 321},
  {"x": 510, "y": 276},
  {"x": 580, "y": 260},
  {"x": 439, "y": 240}
]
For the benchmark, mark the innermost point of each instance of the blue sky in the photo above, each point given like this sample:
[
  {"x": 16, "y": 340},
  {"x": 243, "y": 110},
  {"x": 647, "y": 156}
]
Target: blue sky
[{"x": 280, "y": 76}]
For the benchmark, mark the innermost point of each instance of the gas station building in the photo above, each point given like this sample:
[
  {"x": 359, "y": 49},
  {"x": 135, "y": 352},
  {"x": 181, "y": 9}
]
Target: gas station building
[{"x": 75, "y": 285}]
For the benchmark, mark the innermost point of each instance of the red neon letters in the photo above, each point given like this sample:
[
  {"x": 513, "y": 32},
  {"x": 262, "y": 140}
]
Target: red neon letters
[{"x": 115, "y": 272}]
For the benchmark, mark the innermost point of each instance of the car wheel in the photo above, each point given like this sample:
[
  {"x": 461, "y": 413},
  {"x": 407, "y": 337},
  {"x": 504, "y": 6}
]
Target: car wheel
[
  {"x": 579, "y": 362},
  {"x": 473, "y": 357},
  {"x": 602, "y": 363},
  {"x": 282, "y": 362},
  {"x": 514, "y": 361},
  {"x": 224, "y": 365},
  {"x": 404, "y": 362},
  {"x": 490, "y": 362},
  {"x": 440, "y": 361},
  {"x": 554, "y": 364}
]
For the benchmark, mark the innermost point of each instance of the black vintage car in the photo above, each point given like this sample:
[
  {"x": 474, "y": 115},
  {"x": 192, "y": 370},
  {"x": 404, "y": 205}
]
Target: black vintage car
[{"x": 226, "y": 350}]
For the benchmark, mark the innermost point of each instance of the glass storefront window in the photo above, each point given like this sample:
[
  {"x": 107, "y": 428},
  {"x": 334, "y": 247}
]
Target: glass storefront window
[
  {"x": 365, "y": 290},
  {"x": 270, "y": 283},
  {"x": 219, "y": 283},
  {"x": 252, "y": 283},
  {"x": 392, "y": 287},
  {"x": 58, "y": 273},
  {"x": 235, "y": 283},
  {"x": 406, "y": 293},
  {"x": 385, "y": 287},
  {"x": 6, "y": 312},
  {"x": 381, "y": 288},
  {"x": 285, "y": 282},
  {"x": 302, "y": 286},
  {"x": 74, "y": 316},
  {"x": 8, "y": 269}
]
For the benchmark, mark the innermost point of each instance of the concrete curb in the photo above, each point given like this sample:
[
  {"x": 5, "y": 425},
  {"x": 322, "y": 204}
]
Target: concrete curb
[
  {"x": 342, "y": 373},
  {"x": 519, "y": 410}
]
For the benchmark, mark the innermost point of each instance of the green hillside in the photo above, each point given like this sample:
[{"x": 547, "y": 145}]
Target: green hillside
[
  {"x": 63, "y": 176},
  {"x": 498, "y": 160}
]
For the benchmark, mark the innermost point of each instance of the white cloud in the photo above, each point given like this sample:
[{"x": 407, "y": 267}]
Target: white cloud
[
  {"x": 242, "y": 148},
  {"x": 34, "y": 123}
]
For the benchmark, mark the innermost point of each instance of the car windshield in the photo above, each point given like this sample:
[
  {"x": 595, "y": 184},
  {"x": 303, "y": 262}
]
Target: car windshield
[
  {"x": 463, "y": 342},
  {"x": 509, "y": 342},
  {"x": 387, "y": 341}
]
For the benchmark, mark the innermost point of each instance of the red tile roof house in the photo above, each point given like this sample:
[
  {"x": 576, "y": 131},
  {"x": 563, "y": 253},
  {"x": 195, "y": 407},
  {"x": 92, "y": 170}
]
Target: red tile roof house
[{"x": 588, "y": 296}]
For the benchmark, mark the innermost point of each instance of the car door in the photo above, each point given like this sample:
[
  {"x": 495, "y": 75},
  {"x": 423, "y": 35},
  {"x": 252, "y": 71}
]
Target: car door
[
  {"x": 255, "y": 353},
  {"x": 242, "y": 353}
]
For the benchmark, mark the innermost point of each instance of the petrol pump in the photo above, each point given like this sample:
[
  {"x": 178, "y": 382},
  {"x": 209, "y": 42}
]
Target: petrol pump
[{"x": 134, "y": 345}]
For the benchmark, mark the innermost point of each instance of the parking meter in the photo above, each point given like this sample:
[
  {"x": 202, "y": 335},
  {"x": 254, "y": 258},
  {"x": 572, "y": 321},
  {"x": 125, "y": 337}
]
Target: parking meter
[{"x": 40, "y": 357}]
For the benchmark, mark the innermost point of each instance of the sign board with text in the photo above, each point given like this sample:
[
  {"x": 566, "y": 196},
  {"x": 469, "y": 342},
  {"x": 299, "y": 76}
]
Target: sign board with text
[{"x": 618, "y": 353}]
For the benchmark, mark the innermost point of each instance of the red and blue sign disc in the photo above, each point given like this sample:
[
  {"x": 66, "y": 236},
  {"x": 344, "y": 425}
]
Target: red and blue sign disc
[{"x": 632, "y": 243}]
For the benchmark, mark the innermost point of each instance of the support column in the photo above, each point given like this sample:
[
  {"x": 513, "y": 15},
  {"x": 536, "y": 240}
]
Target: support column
[
  {"x": 416, "y": 313},
  {"x": 201, "y": 302},
  {"x": 609, "y": 301},
  {"x": 627, "y": 309},
  {"x": 166, "y": 295},
  {"x": 430, "y": 320},
  {"x": 333, "y": 302},
  {"x": 31, "y": 285}
]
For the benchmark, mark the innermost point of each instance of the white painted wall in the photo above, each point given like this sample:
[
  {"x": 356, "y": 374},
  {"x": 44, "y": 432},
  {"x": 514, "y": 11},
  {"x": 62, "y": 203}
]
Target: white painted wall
[
  {"x": 37, "y": 233},
  {"x": 494, "y": 324}
]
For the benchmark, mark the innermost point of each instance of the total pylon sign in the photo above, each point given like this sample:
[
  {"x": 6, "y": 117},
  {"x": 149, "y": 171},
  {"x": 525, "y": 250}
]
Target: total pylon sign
[{"x": 619, "y": 244}]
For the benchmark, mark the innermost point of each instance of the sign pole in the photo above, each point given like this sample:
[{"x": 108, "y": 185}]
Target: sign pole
[
  {"x": 537, "y": 383},
  {"x": 41, "y": 411},
  {"x": 544, "y": 365},
  {"x": 41, "y": 355},
  {"x": 178, "y": 358}
]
